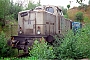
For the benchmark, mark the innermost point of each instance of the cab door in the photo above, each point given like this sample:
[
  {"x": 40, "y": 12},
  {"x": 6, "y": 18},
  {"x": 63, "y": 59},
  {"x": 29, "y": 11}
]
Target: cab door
[{"x": 29, "y": 22}]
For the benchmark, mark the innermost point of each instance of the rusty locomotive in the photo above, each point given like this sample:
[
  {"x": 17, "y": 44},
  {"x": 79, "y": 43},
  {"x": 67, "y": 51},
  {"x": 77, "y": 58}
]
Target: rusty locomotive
[{"x": 43, "y": 21}]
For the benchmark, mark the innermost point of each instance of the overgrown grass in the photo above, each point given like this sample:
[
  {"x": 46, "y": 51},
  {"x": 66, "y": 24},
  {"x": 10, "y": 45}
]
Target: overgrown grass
[{"x": 14, "y": 58}]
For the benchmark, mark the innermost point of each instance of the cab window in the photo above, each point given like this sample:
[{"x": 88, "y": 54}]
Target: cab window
[{"x": 50, "y": 9}]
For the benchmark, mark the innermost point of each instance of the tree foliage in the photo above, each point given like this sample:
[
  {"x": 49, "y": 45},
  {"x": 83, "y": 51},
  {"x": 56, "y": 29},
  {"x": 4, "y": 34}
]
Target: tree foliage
[
  {"x": 32, "y": 5},
  {"x": 80, "y": 2},
  {"x": 8, "y": 10},
  {"x": 64, "y": 10},
  {"x": 14, "y": 9},
  {"x": 4, "y": 10},
  {"x": 68, "y": 6},
  {"x": 39, "y": 3},
  {"x": 79, "y": 16},
  {"x": 4, "y": 5},
  {"x": 89, "y": 2}
]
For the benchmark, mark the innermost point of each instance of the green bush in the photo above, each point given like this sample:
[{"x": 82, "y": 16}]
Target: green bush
[
  {"x": 4, "y": 49},
  {"x": 42, "y": 50},
  {"x": 79, "y": 16},
  {"x": 76, "y": 46}
]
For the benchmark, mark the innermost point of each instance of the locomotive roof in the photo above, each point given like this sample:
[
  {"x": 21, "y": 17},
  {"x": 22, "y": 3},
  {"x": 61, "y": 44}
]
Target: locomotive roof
[{"x": 43, "y": 8}]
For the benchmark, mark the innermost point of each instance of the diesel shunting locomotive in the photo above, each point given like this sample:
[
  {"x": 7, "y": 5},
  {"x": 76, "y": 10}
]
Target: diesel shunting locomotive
[{"x": 43, "y": 21}]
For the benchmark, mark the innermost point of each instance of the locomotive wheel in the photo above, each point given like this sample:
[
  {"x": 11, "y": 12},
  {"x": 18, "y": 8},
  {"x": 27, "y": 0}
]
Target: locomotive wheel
[{"x": 50, "y": 39}]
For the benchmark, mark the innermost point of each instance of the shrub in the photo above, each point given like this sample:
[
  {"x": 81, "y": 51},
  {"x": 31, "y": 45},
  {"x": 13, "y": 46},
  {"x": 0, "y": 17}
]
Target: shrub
[
  {"x": 76, "y": 46},
  {"x": 79, "y": 16},
  {"x": 42, "y": 50},
  {"x": 4, "y": 49}
]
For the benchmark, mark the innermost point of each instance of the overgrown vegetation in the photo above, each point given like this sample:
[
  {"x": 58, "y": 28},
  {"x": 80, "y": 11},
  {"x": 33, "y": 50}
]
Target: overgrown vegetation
[
  {"x": 5, "y": 50},
  {"x": 75, "y": 46},
  {"x": 85, "y": 10},
  {"x": 42, "y": 50},
  {"x": 8, "y": 11},
  {"x": 26, "y": 58},
  {"x": 70, "y": 47}
]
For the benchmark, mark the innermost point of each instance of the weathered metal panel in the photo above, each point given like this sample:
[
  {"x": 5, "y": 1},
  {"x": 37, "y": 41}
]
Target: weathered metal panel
[
  {"x": 26, "y": 22},
  {"x": 29, "y": 21},
  {"x": 67, "y": 26},
  {"x": 39, "y": 22},
  {"x": 62, "y": 25},
  {"x": 49, "y": 20}
]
